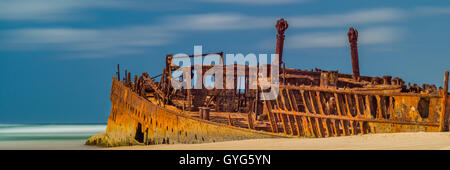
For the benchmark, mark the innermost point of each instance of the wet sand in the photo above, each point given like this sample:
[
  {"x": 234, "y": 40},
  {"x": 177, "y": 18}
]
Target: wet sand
[
  {"x": 46, "y": 145},
  {"x": 387, "y": 141}
]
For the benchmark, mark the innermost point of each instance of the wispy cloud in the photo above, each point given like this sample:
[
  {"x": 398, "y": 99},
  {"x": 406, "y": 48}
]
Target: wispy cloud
[
  {"x": 235, "y": 21},
  {"x": 379, "y": 15},
  {"x": 433, "y": 10},
  {"x": 51, "y": 10},
  {"x": 217, "y": 21},
  {"x": 126, "y": 40},
  {"x": 68, "y": 10},
  {"x": 255, "y": 2},
  {"x": 380, "y": 35},
  {"x": 133, "y": 39},
  {"x": 376, "y": 35}
]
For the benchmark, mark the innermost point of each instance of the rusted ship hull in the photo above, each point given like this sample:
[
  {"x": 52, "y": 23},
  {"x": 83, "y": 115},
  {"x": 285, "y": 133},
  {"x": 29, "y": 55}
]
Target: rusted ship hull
[
  {"x": 313, "y": 103},
  {"x": 305, "y": 111},
  {"x": 135, "y": 120}
]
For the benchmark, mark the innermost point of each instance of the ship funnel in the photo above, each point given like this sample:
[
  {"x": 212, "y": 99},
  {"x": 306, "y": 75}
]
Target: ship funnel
[{"x": 353, "y": 39}]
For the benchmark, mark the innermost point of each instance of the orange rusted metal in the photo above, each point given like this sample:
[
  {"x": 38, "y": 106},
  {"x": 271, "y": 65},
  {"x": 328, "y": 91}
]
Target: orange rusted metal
[{"x": 134, "y": 120}]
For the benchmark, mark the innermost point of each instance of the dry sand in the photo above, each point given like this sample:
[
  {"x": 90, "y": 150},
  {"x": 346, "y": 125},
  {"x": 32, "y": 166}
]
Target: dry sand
[{"x": 386, "y": 141}]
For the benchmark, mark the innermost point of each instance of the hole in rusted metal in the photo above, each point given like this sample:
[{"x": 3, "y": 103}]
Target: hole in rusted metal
[
  {"x": 423, "y": 107},
  {"x": 362, "y": 104},
  {"x": 139, "y": 135},
  {"x": 385, "y": 103},
  {"x": 352, "y": 105},
  {"x": 146, "y": 136},
  {"x": 373, "y": 106}
]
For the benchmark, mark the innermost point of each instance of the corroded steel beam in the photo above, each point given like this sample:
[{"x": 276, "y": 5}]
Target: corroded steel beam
[
  {"x": 153, "y": 85},
  {"x": 199, "y": 55},
  {"x": 363, "y": 91},
  {"x": 353, "y": 118}
]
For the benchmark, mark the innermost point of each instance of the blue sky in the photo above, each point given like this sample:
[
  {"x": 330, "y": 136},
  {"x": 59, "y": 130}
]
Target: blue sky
[{"x": 57, "y": 57}]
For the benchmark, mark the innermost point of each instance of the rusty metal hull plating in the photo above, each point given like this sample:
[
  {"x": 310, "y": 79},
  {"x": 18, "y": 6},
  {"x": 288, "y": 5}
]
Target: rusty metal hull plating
[{"x": 135, "y": 120}]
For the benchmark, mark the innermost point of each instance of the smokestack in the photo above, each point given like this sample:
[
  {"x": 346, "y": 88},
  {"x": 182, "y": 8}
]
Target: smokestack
[
  {"x": 353, "y": 39},
  {"x": 281, "y": 26}
]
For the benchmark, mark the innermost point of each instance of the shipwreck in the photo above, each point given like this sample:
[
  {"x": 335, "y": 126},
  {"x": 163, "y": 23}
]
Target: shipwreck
[{"x": 311, "y": 103}]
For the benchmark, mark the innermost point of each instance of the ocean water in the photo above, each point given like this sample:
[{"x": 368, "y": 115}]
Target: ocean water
[{"x": 48, "y": 136}]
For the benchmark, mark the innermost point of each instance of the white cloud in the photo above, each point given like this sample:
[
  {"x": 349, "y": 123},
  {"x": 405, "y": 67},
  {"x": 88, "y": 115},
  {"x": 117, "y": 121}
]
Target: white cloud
[
  {"x": 128, "y": 40},
  {"x": 379, "y": 15},
  {"x": 324, "y": 39},
  {"x": 255, "y": 2},
  {"x": 233, "y": 21},
  {"x": 217, "y": 21},
  {"x": 378, "y": 35},
  {"x": 57, "y": 10}
]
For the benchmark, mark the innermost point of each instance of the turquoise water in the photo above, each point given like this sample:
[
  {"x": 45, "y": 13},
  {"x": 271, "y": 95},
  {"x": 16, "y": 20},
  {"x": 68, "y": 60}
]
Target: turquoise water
[{"x": 47, "y": 136}]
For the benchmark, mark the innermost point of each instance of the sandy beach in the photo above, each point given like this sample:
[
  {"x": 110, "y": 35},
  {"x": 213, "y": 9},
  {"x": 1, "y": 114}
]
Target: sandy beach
[
  {"x": 46, "y": 145},
  {"x": 387, "y": 141}
]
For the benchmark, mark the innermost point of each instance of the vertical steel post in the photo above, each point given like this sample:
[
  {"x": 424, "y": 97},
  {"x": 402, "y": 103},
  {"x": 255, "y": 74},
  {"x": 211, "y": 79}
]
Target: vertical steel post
[
  {"x": 129, "y": 78},
  {"x": 444, "y": 103},
  {"x": 353, "y": 39},
  {"x": 281, "y": 26},
  {"x": 125, "y": 78},
  {"x": 118, "y": 72}
]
